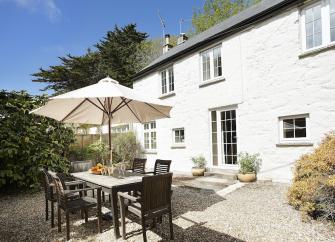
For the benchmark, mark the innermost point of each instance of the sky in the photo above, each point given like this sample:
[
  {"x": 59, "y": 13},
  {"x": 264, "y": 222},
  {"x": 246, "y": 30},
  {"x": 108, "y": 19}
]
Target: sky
[{"x": 34, "y": 33}]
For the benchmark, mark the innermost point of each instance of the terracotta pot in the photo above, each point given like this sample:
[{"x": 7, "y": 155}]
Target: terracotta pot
[
  {"x": 198, "y": 171},
  {"x": 248, "y": 177}
]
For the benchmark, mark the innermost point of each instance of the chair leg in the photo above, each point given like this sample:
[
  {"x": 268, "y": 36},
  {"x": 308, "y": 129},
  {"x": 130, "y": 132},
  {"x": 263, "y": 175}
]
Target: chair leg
[
  {"x": 103, "y": 197},
  {"x": 82, "y": 213},
  {"x": 93, "y": 193},
  {"x": 59, "y": 219},
  {"x": 67, "y": 225},
  {"x": 86, "y": 215},
  {"x": 144, "y": 230},
  {"x": 171, "y": 225},
  {"x": 52, "y": 214},
  {"x": 46, "y": 209}
]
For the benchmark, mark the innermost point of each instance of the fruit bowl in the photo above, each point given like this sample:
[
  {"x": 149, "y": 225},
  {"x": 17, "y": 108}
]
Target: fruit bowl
[{"x": 95, "y": 172}]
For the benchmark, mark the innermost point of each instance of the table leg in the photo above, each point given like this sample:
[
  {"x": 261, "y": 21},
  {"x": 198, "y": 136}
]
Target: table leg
[{"x": 115, "y": 213}]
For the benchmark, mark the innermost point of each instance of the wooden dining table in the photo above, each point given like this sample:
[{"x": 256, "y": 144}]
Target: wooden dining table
[{"x": 112, "y": 185}]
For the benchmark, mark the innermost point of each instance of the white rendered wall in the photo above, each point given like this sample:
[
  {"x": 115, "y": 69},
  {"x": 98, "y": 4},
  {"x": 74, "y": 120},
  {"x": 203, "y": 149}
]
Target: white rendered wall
[{"x": 265, "y": 79}]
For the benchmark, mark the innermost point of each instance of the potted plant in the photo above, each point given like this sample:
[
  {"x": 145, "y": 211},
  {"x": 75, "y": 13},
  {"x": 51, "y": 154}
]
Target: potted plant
[
  {"x": 249, "y": 166},
  {"x": 199, "y": 165}
]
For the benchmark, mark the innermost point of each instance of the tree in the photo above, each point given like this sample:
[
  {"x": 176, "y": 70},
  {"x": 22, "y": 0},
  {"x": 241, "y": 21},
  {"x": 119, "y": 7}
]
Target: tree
[
  {"x": 215, "y": 11},
  {"x": 28, "y": 141},
  {"x": 118, "y": 55}
]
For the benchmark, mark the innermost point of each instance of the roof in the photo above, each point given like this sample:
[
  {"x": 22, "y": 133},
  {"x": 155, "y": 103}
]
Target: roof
[{"x": 225, "y": 28}]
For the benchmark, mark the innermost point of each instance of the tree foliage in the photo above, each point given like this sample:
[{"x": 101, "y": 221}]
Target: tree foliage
[
  {"x": 215, "y": 11},
  {"x": 28, "y": 141},
  {"x": 118, "y": 55}
]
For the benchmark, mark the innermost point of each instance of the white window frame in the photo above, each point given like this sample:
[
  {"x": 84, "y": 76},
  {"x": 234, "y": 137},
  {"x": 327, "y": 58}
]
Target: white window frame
[
  {"x": 294, "y": 140},
  {"x": 210, "y": 51},
  {"x": 174, "y": 136},
  {"x": 169, "y": 88},
  {"x": 151, "y": 132},
  {"x": 325, "y": 22}
]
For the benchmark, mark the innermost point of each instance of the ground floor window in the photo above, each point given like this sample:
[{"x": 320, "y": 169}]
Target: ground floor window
[
  {"x": 178, "y": 136},
  {"x": 150, "y": 136},
  {"x": 294, "y": 128}
]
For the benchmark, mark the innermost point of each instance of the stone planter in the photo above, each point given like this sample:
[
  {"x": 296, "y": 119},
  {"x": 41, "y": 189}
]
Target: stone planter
[
  {"x": 198, "y": 171},
  {"x": 79, "y": 166},
  {"x": 248, "y": 177}
]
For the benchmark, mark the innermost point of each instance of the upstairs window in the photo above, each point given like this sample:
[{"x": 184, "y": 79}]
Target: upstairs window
[
  {"x": 318, "y": 24},
  {"x": 211, "y": 63},
  {"x": 150, "y": 136},
  {"x": 167, "y": 79}
]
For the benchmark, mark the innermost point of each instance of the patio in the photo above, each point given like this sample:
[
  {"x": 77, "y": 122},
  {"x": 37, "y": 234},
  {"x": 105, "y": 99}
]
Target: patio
[{"x": 254, "y": 212}]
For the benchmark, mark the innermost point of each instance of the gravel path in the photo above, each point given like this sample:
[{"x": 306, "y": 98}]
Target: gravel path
[{"x": 255, "y": 212}]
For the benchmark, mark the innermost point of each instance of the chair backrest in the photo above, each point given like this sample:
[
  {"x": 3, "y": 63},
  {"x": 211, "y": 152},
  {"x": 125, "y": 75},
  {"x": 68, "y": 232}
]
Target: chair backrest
[
  {"x": 162, "y": 166},
  {"x": 139, "y": 165},
  {"x": 61, "y": 198},
  {"x": 47, "y": 183},
  {"x": 156, "y": 192}
]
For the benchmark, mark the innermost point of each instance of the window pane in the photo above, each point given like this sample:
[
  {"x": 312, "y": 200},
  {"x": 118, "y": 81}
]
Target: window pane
[
  {"x": 153, "y": 125},
  {"x": 288, "y": 133},
  {"x": 146, "y": 141},
  {"x": 300, "y": 123},
  {"x": 288, "y": 123},
  {"x": 213, "y": 115},
  {"x": 217, "y": 62},
  {"x": 313, "y": 27},
  {"x": 332, "y": 5},
  {"x": 300, "y": 133},
  {"x": 332, "y": 25},
  {"x": 182, "y": 135},
  {"x": 163, "y": 77},
  {"x": 146, "y": 126},
  {"x": 332, "y": 34},
  {"x": 214, "y": 128},
  {"x": 171, "y": 80},
  {"x": 206, "y": 66},
  {"x": 153, "y": 140}
]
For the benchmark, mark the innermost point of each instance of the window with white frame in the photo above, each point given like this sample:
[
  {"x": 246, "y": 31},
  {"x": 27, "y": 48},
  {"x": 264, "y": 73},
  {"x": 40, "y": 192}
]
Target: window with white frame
[
  {"x": 318, "y": 24},
  {"x": 150, "y": 136},
  {"x": 167, "y": 80},
  {"x": 294, "y": 128},
  {"x": 211, "y": 63},
  {"x": 178, "y": 136}
]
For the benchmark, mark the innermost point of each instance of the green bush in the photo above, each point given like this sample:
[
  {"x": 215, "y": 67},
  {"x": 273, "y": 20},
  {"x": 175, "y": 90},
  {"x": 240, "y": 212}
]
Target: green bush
[
  {"x": 126, "y": 148},
  {"x": 249, "y": 163},
  {"x": 313, "y": 187},
  {"x": 98, "y": 152},
  {"x": 77, "y": 153},
  {"x": 28, "y": 141},
  {"x": 199, "y": 161}
]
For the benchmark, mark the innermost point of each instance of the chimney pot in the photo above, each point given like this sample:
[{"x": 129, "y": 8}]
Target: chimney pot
[
  {"x": 182, "y": 38},
  {"x": 167, "y": 45}
]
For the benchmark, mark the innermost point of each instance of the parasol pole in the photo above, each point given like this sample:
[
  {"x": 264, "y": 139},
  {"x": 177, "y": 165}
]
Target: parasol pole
[{"x": 109, "y": 133}]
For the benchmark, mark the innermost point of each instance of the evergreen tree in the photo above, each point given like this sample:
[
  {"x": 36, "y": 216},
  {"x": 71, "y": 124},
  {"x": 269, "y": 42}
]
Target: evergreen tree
[{"x": 117, "y": 55}]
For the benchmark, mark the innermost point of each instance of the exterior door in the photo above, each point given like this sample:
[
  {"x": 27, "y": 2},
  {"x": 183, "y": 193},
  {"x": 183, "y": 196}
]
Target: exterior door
[{"x": 228, "y": 137}]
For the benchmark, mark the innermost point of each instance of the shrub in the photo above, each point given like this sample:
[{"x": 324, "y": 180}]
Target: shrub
[
  {"x": 98, "y": 152},
  {"x": 77, "y": 153},
  {"x": 126, "y": 148},
  {"x": 28, "y": 141},
  {"x": 249, "y": 163},
  {"x": 199, "y": 161},
  {"x": 313, "y": 187}
]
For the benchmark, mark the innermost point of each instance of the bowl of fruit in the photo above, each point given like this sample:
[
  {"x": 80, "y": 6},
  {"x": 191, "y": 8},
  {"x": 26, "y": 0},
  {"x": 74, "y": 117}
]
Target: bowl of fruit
[{"x": 97, "y": 169}]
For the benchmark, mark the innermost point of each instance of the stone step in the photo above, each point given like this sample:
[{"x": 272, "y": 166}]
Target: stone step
[{"x": 222, "y": 174}]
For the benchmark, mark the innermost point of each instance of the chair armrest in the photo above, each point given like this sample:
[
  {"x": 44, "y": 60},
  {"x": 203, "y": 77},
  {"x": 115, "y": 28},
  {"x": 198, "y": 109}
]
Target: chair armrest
[
  {"x": 127, "y": 196},
  {"x": 149, "y": 172},
  {"x": 82, "y": 190}
]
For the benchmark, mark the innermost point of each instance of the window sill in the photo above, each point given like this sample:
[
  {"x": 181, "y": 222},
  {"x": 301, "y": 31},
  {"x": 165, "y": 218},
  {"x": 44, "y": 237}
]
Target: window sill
[
  {"x": 294, "y": 144},
  {"x": 211, "y": 82},
  {"x": 166, "y": 95},
  {"x": 178, "y": 146},
  {"x": 317, "y": 50},
  {"x": 150, "y": 152}
]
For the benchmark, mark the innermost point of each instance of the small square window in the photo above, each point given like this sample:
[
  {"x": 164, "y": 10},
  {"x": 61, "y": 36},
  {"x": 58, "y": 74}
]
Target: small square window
[
  {"x": 179, "y": 136},
  {"x": 294, "y": 128}
]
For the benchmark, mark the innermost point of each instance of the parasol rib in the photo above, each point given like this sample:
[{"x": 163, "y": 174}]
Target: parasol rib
[
  {"x": 73, "y": 110},
  {"x": 157, "y": 110},
  {"x": 123, "y": 99}
]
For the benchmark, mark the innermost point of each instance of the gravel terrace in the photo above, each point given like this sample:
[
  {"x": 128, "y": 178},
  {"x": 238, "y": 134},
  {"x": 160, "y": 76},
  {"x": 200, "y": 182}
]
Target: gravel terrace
[{"x": 255, "y": 212}]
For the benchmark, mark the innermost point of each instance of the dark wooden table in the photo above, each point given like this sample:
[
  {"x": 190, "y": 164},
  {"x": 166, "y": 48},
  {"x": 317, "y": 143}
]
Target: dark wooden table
[{"x": 112, "y": 185}]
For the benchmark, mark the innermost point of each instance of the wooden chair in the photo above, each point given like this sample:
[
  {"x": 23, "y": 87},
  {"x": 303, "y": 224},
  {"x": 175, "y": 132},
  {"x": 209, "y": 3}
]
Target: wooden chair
[
  {"x": 139, "y": 165},
  {"x": 67, "y": 204},
  {"x": 155, "y": 201},
  {"x": 50, "y": 193},
  {"x": 161, "y": 167}
]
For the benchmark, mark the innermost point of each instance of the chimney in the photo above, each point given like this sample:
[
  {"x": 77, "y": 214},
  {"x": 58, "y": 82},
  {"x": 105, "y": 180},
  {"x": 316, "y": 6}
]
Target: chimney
[
  {"x": 182, "y": 38},
  {"x": 167, "y": 45}
]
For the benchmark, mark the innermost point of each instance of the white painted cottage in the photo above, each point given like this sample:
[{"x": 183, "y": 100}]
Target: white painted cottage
[{"x": 262, "y": 81}]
